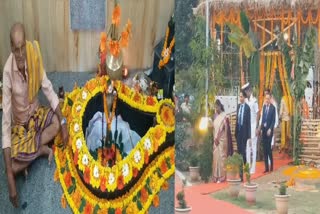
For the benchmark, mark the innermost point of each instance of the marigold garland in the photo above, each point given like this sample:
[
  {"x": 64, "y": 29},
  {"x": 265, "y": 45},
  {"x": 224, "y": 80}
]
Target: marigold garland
[
  {"x": 166, "y": 51},
  {"x": 78, "y": 196}
]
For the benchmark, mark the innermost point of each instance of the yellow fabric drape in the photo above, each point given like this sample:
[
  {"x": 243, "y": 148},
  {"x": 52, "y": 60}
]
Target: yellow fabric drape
[{"x": 35, "y": 68}]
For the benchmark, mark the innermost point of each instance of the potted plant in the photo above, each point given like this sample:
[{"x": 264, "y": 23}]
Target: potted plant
[
  {"x": 183, "y": 207},
  {"x": 282, "y": 199},
  {"x": 194, "y": 168},
  {"x": 233, "y": 164},
  {"x": 250, "y": 188}
]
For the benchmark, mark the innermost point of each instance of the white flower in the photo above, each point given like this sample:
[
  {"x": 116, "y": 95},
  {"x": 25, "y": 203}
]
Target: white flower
[
  {"x": 84, "y": 95},
  {"x": 76, "y": 127},
  {"x": 96, "y": 172},
  {"x": 78, "y": 108},
  {"x": 125, "y": 170},
  {"x": 137, "y": 156},
  {"x": 147, "y": 144},
  {"x": 110, "y": 88},
  {"x": 111, "y": 178},
  {"x": 79, "y": 144},
  {"x": 85, "y": 160}
]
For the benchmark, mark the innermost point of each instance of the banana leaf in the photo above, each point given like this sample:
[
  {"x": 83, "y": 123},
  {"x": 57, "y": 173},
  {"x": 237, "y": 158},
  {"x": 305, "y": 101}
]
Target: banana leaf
[{"x": 244, "y": 22}]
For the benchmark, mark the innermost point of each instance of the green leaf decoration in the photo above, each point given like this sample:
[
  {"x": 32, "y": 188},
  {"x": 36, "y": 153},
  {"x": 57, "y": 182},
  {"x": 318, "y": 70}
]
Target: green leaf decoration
[
  {"x": 96, "y": 209},
  {"x": 149, "y": 190},
  {"x": 111, "y": 211},
  {"x": 62, "y": 170},
  {"x": 82, "y": 205},
  {"x": 71, "y": 189},
  {"x": 120, "y": 137},
  {"x": 139, "y": 205},
  {"x": 244, "y": 22},
  {"x": 116, "y": 136},
  {"x": 134, "y": 198},
  {"x": 70, "y": 102}
]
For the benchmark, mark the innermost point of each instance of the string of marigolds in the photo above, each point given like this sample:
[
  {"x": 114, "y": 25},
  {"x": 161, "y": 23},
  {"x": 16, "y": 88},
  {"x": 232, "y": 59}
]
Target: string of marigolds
[{"x": 166, "y": 51}]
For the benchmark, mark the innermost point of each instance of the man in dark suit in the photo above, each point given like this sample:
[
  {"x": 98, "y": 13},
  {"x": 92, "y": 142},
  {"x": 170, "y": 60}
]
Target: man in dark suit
[
  {"x": 266, "y": 128},
  {"x": 243, "y": 129}
]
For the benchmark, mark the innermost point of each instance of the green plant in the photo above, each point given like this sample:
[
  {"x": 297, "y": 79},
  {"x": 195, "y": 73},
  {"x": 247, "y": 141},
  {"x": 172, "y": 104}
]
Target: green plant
[
  {"x": 283, "y": 189},
  {"x": 246, "y": 170},
  {"x": 206, "y": 158},
  {"x": 234, "y": 162},
  {"x": 181, "y": 197},
  {"x": 194, "y": 160}
]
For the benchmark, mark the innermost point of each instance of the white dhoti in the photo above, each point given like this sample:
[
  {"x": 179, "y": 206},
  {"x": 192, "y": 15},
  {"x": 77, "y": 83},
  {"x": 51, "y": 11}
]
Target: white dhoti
[{"x": 251, "y": 152}]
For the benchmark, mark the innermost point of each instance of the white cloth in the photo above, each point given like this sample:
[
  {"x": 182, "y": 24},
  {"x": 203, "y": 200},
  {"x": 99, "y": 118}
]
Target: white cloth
[
  {"x": 97, "y": 125},
  {"x": 186, "y": 108},
  {"x": 254, "y": 109}
]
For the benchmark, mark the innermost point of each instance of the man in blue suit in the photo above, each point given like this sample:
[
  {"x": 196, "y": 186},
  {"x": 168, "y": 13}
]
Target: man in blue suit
[
  {"x": 266, "y": 128},
  {"x": 243, "y": 129}
]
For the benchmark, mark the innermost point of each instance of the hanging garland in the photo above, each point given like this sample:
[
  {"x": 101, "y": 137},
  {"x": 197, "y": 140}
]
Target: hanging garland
[
  {"x": 273, "y": 69},
  {"x": 262, "y": 68},
  {"x": 77, "y": 158},
  {"x": 268, "y": 70},
  {"x": 166, "y": 51}
]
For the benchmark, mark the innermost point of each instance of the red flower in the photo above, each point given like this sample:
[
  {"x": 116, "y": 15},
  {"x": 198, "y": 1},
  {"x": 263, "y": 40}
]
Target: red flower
[
  {"x": 146, "y": 157},
  {"x": 150, "y": 101},
  {"x": 67, "y": 179},
  {"x": 137, "y": 97},
  {"x": 103, "y": 184},
  {"x": 164, "y": 167},
  {"x": 88, "y": 209},
  {"x": 120, "y": 182},
  {"x": 135, "y": 172},
  {"x": 144, "y": 195},
  {"x": 87, "y": 175},
  {"x": 118, "y": 211},
  {"x": 76, "y": 158}
]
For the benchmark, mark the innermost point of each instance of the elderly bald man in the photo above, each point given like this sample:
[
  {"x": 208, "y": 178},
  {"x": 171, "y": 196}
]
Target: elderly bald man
[{"x": 27, "y": 127}]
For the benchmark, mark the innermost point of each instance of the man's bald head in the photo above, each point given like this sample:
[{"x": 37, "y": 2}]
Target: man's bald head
[{"x": 17, "y": 33}]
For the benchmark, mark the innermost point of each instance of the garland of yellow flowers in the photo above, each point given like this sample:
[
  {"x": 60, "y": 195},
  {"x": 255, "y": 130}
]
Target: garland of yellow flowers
[
  {"x": 165, "y": 118},
  {"x": 268, "y": 71},
  {"x": 166, "y": 51},
  {"x": 262, "y": 67},
  {"x": 273, "y": 70}
]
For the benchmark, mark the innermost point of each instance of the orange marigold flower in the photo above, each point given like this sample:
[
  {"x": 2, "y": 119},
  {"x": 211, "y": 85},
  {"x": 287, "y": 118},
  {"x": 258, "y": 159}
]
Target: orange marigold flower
[
  {"x": 118, "y": 211},
  {"x": 167, "y": 116},
  {"x": 88, "y": 209},
  {"x": 114, "y": 47},
  {"x": 63, "y": 202},
  {"x": 165, "y": 185},
  {"x": 76, "y": 198},
  {"x": 103, "y": 211},
  {"x": 103, "y": 42},
  {"x": 124, "y": 41},
  {"x": 91, "y": 86},
  {"x": 56, "y": 175},
  {"x": 146, "y": 157},
  {"x": 150, "y": 101},
  {"x": 156, "y": 201},
  {"x": 163, "y": 167},
  {"x": 144, "y": 195},
  {"x": 120, "y": 182},
  {"x": 129, "y": 27},
  {"x": 137, "y": 97},
  {"x": 76, "y": 157},
  {"x": 172, "y": 158},
  {"x": 87, "y": 175},
  {"x": 116, "y": 15},
  {"x": 158, "y": 133},
  {"x": 67, "y": 179},
  {"x": 103, "y": 184},
  {"x": 132, "y": 208}
]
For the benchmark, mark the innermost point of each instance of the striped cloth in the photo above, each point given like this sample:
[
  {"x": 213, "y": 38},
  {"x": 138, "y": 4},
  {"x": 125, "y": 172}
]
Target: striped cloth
[{"x": 26, "y": 138}]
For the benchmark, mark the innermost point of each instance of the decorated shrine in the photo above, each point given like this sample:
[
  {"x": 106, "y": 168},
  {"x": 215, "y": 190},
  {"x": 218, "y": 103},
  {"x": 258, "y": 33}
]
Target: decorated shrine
[{"x": 121, "y": 146}]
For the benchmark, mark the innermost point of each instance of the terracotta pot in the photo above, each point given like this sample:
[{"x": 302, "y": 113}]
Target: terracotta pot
[
  {"x": 181, "y": 210},
  {"x": 234, "y": 187},
  {"x": 251, "y": 193},
  {"x": 194, "y": 173},
  {"x": 282, "y": 203}
]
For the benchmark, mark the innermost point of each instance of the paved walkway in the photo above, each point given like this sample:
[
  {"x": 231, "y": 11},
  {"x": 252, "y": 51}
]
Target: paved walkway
[{"x": 199, "y": 198}]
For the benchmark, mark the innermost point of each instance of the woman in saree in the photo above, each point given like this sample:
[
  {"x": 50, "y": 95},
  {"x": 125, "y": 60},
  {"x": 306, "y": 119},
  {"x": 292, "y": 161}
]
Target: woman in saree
[{"x": 222, "y": 143}]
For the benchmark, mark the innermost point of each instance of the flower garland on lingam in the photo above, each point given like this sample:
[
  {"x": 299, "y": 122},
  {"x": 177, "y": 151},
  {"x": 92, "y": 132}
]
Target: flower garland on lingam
[
  {"x": 111, "y": 43},
  {"x": 77, "y": 169},
  {"x": 166, "y": 50}
]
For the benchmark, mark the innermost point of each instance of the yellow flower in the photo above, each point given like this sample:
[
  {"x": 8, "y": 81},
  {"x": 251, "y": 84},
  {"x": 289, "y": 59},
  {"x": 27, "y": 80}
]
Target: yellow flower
[
  {"x": 153, "y": 181},
  {"x": 132, "y": 208}
]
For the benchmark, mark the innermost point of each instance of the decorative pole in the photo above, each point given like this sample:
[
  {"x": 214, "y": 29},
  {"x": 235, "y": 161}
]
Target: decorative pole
[{"x": 207, "y": 45}]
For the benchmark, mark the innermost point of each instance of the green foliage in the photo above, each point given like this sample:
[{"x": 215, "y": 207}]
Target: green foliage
[
  {"x": 194, "y": 160},
  {"x": 181, "y": 151},
  {"x": 206, "y": 158},
  {"x": 234, "y": 162},
  {"x": 246, "y": 170},
  {"x": 283, "y": 189},
  {"x": 181, "y": 200},
  {"x": 244, "y": 22},
  {"x": 254, "y": 68}
]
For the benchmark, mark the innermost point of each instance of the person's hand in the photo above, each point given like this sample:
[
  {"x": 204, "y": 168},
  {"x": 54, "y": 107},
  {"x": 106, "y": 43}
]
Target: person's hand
[
  {"x": 65, "y": 134},
  {"x": 13, "y": 196},
  {"x": 269, "y": 132}
]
